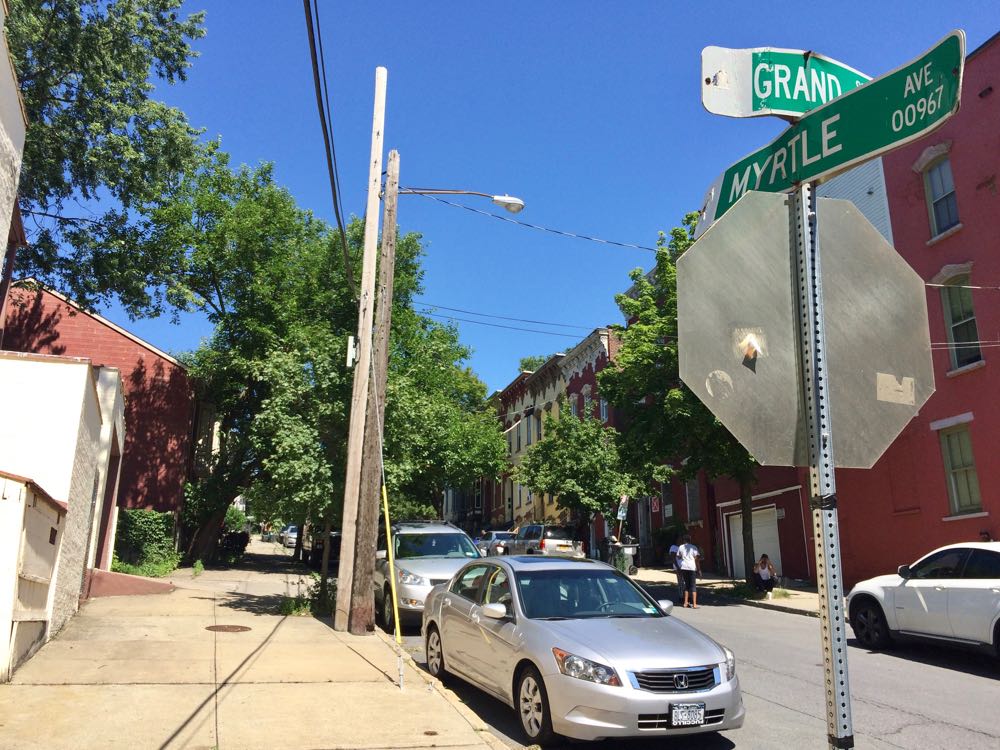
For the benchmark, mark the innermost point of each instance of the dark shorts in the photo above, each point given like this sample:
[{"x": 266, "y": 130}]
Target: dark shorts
[{"x": 688, "y": 580}]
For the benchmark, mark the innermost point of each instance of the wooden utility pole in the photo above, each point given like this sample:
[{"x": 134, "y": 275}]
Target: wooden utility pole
[
  {"x": 362, "y": 618},
  {"x": 362, "y": 367}
]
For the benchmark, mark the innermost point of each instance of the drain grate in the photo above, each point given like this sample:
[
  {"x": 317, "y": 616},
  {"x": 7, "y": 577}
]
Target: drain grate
[{"x": 228, "y": 628}]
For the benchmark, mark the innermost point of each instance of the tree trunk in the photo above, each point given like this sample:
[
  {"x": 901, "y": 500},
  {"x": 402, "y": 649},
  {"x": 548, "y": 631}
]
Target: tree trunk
[
  {"x": 206, "y": 538},
  {"x": 746, "y": 513},
  {"x": 324, "y": 566},
  {"x": 297, "y": 552}
]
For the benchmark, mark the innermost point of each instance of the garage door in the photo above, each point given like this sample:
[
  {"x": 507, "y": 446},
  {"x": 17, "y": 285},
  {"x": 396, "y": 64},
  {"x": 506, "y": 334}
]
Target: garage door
[{"x": 765, "y": 539}]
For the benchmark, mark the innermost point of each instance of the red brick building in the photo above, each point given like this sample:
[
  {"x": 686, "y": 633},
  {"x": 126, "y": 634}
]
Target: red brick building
[
  {"x": 940, "y": 480},
  {"x": 161, "y": 413}
]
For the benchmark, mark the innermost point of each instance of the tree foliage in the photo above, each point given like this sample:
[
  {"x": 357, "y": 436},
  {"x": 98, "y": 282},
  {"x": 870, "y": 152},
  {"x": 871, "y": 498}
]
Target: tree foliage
[
  {"x": 100, "y": 150},
  {"x": 666, "y": 421},
  {"x": 532, "y": 363},
  {"x": 578, "y": 461}
]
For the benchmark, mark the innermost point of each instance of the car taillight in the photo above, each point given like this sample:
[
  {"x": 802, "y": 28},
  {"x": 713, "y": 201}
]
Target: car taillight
[{"x": 541, "y": 544}]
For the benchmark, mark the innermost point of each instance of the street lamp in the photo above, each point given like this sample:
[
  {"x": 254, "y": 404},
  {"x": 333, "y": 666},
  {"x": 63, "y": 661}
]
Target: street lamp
[{"x": 509, "y": 202}]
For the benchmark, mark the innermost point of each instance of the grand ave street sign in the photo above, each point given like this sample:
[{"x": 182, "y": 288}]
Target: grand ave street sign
[
  {"x": 737, "y": 321},
  {"x": 881, "y": 115},
  {"x": 768, "y": 81}
]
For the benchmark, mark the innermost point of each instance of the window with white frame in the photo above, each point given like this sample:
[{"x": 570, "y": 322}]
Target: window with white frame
[
  {"x": 574, "y": 405},
  {"x": 667, "y": 500},
  {"x": 538, "y": 426},
  {"x": 518, "y": 428},
  {"x": 527, "y": 430},
  {"x": 518, "y": 496},
  {"x": 692, "y": 491},
  {"x": 960, "y": 470},
  {"x": 604, "y": 410},
  {"x": 588, "y": 408},
  {"x": 940, "y": 190},
  {"x": 960, "y": 322}
]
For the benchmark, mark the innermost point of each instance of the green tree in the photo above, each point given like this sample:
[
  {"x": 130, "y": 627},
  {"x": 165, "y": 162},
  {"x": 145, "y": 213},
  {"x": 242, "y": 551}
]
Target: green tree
[
  {"x": 532, "y": 363},
  {"x": 578, "y": 461},
  {"x": 99, "y": 148},
  {"x": 439, "y": 431},
  {"x": 666, "y": 421}
]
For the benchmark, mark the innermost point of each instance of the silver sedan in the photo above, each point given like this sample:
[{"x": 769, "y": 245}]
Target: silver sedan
[{"x": 577, "y": 649}]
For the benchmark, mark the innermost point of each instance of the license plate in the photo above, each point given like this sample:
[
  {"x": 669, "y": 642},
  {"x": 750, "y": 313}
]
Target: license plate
[{"x": 687, "y": 714}]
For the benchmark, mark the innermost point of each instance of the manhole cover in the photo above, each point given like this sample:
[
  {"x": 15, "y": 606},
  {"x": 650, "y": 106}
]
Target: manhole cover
[{"x": 228, "y": 628}]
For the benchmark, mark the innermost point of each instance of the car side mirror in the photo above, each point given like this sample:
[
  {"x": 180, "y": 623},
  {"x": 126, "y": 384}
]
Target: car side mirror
[
  {"x": 904, "y": 572},
  {"x": 666, "y": 606},
  {"x": 380, "y": 554},
  {"x": 482, "y": 553},
  {"x": 495, "y": 611}
]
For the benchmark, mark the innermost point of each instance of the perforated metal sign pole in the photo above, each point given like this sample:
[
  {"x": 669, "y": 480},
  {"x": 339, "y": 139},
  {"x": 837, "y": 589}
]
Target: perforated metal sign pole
[{"x": 822, "y": 493}]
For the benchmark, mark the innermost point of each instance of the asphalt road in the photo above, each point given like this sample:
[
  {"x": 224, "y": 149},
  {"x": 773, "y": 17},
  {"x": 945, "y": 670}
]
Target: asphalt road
[{"x": 914, "y": 696}]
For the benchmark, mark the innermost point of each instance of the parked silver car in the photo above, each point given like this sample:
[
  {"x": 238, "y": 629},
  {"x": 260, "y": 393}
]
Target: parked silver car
[
  {"x": 493, "y": 542},
  {"x": 545, "y": 539},
  {"x": 426, "y": 553},
  {"x": 577, "y": 649}
]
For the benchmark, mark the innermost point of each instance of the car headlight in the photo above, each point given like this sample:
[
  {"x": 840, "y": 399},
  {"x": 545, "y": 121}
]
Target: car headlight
[
  {"x": 585, "y": 669},
  {"x": 411, "y": 579},
  {"x": 730, "y": 664}
]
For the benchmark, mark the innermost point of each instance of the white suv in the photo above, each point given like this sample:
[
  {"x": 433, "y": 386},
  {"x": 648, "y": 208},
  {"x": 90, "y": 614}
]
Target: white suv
[{"x": 951, "y": 594}]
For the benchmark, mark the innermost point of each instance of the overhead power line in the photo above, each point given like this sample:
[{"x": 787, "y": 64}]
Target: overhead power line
[
  {"x": 504, "y": 317},
  {"x": 498, "y": 325},
  {"x": 560, "y": 232},
  {"x": 326, "y": 123}
]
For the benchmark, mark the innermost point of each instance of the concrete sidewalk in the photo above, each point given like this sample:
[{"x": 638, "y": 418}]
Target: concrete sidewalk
[
  {"x": 798, "y": 601},
  {"x": 146, "y": 672}
]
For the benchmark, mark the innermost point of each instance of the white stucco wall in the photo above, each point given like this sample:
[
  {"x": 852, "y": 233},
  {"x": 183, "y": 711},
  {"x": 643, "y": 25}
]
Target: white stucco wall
[
  {"x": 52, "y": 435},
  {"x": 41, "y": 413}
]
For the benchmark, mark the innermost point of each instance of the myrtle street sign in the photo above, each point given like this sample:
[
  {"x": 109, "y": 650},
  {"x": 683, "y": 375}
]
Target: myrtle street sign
[
  {"x": 768, "y": 81},
  {"x": 879, "y": 116}
]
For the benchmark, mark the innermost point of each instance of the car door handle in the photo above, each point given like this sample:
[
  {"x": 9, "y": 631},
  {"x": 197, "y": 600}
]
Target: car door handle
[
  {"x": 475, "y": 617},
  {"x": 939, "y": 588}
]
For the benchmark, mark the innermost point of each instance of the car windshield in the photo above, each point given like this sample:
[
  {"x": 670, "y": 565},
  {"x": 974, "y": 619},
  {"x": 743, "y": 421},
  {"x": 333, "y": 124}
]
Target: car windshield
[
  {"x": 504, "y": 535},
  {"x": 433, "y": 545},
  {"x": 568, "y": 594}
]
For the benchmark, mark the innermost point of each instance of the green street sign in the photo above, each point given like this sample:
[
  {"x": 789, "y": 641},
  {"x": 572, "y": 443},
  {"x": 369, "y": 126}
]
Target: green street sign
[
  {"x": 768, "y": 81},
  {"x": 885, "y": 113}
]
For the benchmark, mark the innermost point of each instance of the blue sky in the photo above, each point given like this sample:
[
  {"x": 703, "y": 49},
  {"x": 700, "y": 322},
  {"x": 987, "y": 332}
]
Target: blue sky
[{"x": 589, "y": 111}]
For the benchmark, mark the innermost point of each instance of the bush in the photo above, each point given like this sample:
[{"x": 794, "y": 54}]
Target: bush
[
  {"x": 144, "y": 543},
  {"x": 236, "y": 520},
  {"x": 232, "y": 546}
]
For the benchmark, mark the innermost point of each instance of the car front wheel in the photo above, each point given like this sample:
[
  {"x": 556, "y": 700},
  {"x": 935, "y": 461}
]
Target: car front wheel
[
  {"x": 870, "y": 627},
  {"x": 387, "y": 621},
  {"x": 435, "y": 654},
  {"x": 533, "y": 707}
]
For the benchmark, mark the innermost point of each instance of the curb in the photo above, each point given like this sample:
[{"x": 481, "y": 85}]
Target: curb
[
  {"x": 760, "y": 604},
  {"x": 478, "y": 725},
  {"x": 775, "y": 607}
]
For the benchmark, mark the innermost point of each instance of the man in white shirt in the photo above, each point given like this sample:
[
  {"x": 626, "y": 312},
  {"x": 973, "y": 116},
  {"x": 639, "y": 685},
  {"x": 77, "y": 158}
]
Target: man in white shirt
[
  {"x": 675, "y": 563},
  {"x": 689, "y": 561}
]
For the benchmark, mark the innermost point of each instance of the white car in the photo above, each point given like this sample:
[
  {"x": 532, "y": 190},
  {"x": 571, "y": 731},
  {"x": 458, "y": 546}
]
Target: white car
[
  {"x": 577, "y": 649},
  {"x": 950, "y": 595}
]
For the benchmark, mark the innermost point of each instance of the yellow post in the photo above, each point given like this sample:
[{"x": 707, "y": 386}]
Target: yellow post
[{"x": 392, "y": 566}]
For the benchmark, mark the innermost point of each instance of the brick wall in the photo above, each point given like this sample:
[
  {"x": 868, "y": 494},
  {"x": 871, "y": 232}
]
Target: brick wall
[{"x": 159, "y": 402}]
